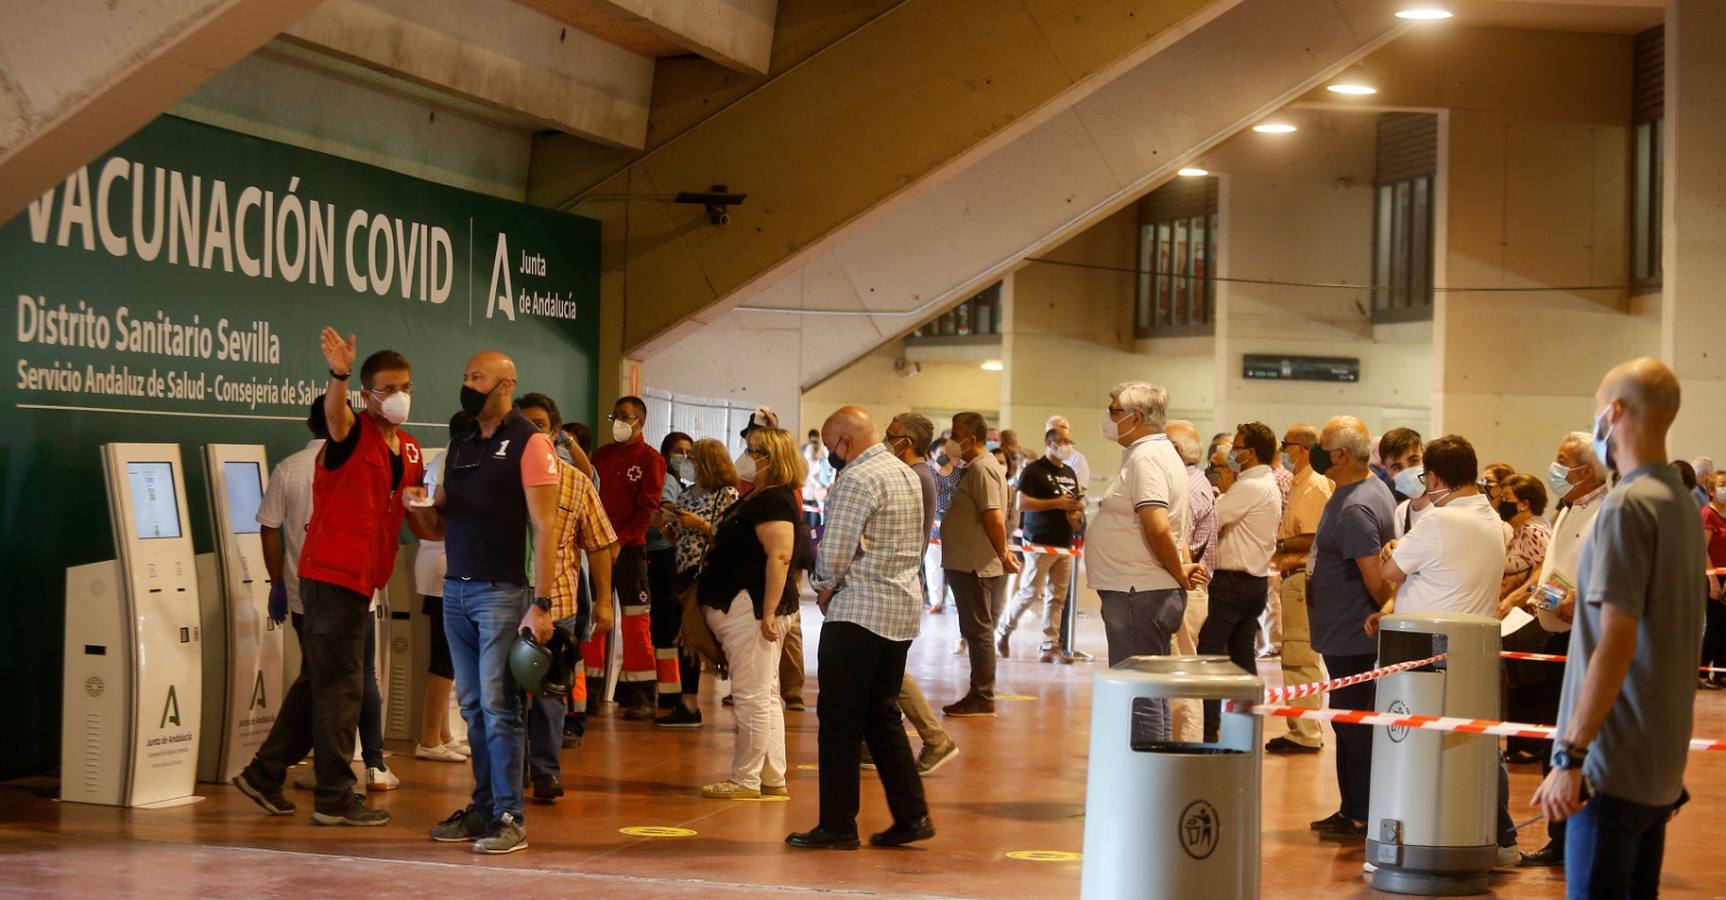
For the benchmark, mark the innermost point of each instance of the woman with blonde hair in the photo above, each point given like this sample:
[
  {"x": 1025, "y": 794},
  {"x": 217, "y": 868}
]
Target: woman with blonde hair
[
  {"x": 690, "y": 524},
  {"x": 760, "y": 547}
]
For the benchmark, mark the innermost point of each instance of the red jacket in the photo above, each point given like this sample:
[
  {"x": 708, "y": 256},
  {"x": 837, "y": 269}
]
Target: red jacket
[
  {"x": 631, "y": 479},
  {"x": 357, "y": 513}
]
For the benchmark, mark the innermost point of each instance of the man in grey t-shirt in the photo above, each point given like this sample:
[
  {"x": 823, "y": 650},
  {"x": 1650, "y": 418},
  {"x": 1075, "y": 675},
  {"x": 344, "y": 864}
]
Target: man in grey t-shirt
[
  {"x": 975, "y": 556},
  {"x": 1625, "y": 718}
]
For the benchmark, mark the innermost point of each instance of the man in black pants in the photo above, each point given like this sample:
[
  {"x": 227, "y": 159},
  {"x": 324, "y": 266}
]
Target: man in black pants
[
  {"x": 365, "y": 471},
  {"x": 1247, "y": 519},
  {"x": 868, "y": 589},
  {"x": 1345, "y": 588}
]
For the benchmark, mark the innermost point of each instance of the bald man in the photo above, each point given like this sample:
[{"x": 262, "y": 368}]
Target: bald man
[
  {"x": 868, "y": 589},
  {"x": 1624, "y": 721},
  {"x": 498, "y": 477}
]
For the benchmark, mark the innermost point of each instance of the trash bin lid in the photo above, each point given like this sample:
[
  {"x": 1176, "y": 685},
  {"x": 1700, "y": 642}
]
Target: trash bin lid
[
  {"x": 1186, "y": 677},
  {"x": 1452, "y": 623}
]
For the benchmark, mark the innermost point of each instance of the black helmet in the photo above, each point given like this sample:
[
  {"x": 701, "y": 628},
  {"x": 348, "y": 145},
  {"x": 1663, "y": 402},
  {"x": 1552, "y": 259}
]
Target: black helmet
[{"x": 545, "y": 669}]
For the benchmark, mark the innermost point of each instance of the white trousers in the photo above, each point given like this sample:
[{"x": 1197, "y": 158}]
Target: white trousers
[{"x": 759, "y": 711}]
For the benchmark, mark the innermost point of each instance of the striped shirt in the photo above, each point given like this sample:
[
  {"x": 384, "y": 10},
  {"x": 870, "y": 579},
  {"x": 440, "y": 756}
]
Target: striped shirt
[
  {"x": 580, "y": 524},
  {"x": 1201, "y": 519},
  {"x": 871, "y": 554}
]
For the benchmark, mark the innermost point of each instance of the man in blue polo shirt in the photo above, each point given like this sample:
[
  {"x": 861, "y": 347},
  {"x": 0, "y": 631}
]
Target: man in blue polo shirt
[{"x": 497, "y": 478}]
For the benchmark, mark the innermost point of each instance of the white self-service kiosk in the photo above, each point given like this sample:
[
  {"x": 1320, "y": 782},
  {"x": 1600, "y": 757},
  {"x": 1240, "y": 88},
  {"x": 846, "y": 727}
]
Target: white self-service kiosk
[
  {"x": 132, "y": 700},
  {"x": 242, "y": 648}
]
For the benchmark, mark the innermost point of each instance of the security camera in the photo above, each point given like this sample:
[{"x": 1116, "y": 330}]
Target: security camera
[{"x": 717, "y": 202}]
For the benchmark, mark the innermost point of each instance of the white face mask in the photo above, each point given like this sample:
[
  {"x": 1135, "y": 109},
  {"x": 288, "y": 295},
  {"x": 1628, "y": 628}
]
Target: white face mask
[
  {"x": 1064, "y": 452},
  {"x": 395, "y": 407},
  {"x": 621, "y": 431},
  {"x": 686, "y": 470},
  {"x": 745, "y": 467},
  {"x": 1111, "y": 429}
]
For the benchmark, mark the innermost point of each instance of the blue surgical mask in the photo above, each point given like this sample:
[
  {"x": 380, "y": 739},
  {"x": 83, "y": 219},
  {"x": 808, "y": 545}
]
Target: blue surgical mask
[
  {"x": 1287, "y": 463},
  {"x": 1558, "y": 479},
  {"x": 1234, "y": 462},
  {"x": 1407, "y": 482},
  {"x": 1603, "y": 442}
]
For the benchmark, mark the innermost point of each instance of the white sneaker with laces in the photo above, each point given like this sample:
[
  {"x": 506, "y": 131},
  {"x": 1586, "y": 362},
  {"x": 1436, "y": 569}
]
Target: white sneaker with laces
[
  {"x": 440, "y": 753},
  {"x": 382, "y": 780}
]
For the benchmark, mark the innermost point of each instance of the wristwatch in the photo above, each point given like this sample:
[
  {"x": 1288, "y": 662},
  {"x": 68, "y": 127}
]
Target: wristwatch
[
  {"x": 543, "y": 603},
  {"x": 339, "y": 376},
  {"x": 1566, "y": 756}
]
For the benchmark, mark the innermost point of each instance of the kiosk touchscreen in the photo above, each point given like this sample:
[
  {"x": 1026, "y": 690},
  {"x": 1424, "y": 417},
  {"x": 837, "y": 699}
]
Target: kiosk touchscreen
[
  {"x": 242, "y": 647},
  {"x": 133, "y": 691}
]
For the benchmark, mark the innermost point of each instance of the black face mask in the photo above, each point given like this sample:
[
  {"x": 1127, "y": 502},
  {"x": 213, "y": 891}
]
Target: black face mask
[
  {"x": 472, "y": 401},
  {"x": 835, "y": 460},
  {"x": 1507, "y": 511},
  {"x": 1320, "y": 460}
]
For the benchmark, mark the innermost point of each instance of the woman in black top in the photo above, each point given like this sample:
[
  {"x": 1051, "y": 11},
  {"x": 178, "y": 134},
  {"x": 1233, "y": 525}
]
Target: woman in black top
[{"x": 759, "y": 550}]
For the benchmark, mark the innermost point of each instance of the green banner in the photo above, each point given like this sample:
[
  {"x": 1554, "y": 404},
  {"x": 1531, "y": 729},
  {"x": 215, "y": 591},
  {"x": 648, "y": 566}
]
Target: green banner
[{"x": 174, "y": 289}]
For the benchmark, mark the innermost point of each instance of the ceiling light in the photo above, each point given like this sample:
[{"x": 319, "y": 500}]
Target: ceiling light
[
  {"x": 992, "y": 365},
  {"x": 1425, "y": 11},
  {"x": 1275, "y": 126},
  {"x": 1354, "y": 82},
  {"x": 1193, "y": 172}
]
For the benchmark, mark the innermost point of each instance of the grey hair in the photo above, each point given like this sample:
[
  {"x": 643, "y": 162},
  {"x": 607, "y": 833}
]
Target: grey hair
[
  {"x": 1704, "y": 466},
  {"x": 918, "y": 428},
  {"x": 1148, "y": 400},
  {"x": 1056, "y": 420},
  {"x": 1582, "y": 444},
  {"x": 1352, "y": 436},
  {"x": 1186, "y": 441}
]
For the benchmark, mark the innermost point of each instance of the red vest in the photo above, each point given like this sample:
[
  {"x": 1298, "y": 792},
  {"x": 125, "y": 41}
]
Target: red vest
[{"x": 357, "y": 513}]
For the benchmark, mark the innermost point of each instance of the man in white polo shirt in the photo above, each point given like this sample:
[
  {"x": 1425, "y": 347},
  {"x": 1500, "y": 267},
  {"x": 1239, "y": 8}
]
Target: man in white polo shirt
[
  {"x": 1450, "y": 561},
  {"x": 1134, "y": 557}
]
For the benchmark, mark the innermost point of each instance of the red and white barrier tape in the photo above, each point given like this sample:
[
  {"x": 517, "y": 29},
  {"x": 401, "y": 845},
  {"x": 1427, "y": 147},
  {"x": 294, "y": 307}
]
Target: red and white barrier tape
[
  {"x": 1276, "y": 695},
  {"x": 1053, "y": 551},
  {"x": 1424, "y": 723},
  {"x": 1557, "y": 657}
]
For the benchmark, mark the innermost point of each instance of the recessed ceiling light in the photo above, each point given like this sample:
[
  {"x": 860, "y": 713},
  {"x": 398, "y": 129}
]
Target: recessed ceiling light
[
  {"x": 1354, "y": 81},
  {"x": 1277, "y": 127},
  {"x": 1353, "y": 90},
  {"x": 1193, "y": 172},
  {"x": 1425, "y": 11},
  {"x": 992, "y": 365}
]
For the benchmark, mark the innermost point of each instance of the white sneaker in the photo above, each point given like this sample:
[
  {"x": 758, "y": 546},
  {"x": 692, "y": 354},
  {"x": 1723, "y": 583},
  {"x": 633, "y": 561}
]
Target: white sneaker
[
  {"x": 461, "y": 747},
  {"x": 440, "y": 753},
  {"x": 1508, "y": 857},
  {"x": 382, "y": 780},
  {"x": 1368, "y": 868}
]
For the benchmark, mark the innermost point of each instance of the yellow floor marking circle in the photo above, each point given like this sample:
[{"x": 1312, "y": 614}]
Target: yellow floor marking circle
[
  {"x": 1014, "y": 698},
  {"x": 656, "y": 831},
  {"x": 1043, "y": 855},
  {"x": 809, "y": 767}
]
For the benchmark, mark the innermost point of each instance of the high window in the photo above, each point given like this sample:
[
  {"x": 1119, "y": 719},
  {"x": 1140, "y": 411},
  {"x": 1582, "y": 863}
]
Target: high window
[
  {"x": 1177, "y": 286},
  {"x": 1403, "y": 217},
  {"x": 978, "y": 318},
  {"x": 1648, "y": 114}
]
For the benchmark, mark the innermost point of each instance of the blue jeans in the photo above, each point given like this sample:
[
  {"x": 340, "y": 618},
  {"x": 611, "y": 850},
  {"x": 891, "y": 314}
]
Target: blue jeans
[
  {"x": 1613, "y": 848},
  {"x": 481, "y": 618},
  {"x": 546, "y": 716},
  {"x": 1143, "y": 623}
]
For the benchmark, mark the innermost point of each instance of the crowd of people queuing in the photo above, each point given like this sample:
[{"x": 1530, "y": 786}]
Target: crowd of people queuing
[{"x": 1253, "y": 546}]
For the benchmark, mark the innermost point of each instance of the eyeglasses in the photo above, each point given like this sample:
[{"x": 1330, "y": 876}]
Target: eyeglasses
[
  {"x": 757, "y": 452},
  {"x": 619, "y": 417},
  {"x": 390, "y": 390},
  {"x": 890, "y": 438},
  {"x": 1116, "y": 410}
]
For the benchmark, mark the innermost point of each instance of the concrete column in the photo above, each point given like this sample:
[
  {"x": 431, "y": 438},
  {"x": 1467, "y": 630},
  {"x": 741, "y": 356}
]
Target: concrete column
[{"x": 1693, "y": 320}]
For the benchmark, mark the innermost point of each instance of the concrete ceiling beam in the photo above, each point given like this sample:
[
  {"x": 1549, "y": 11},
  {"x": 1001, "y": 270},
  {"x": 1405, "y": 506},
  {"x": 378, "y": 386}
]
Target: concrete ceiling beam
[{"x": 737, "y": 34}]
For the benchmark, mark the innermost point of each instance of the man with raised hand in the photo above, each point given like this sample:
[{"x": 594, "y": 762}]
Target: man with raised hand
[{"x": 365, "y": 471}]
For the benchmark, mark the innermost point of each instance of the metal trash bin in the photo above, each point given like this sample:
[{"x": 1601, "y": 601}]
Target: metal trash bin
[
  {"x": 1166, "y": 818},
  {"x": 1432, "y": 823}
]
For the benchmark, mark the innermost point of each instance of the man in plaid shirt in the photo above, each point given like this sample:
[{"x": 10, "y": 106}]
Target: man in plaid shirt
[
  {"x": 579, "y": 524},
  {"x": 866, "y": 576}
]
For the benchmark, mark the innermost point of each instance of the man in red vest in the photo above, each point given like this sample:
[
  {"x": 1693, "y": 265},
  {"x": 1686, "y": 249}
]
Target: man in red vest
[{"x": 365, "y": 472}]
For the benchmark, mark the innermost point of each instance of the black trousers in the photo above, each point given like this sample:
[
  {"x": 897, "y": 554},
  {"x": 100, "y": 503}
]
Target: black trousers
[
  {"x": 321, "y": 709},
  {"x": 666, "y": 622},
  {"x": 1237, "y": 601},
  {"x": 1714, "y": 638},
  {"x": 1353, "y": 742},
  {"x": 861, "y": 673}
]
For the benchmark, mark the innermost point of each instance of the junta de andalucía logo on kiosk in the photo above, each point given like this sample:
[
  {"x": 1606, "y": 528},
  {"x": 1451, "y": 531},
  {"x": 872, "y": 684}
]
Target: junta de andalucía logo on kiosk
[
  {"x": 1200, "y": 829},
  {"x": 170, "y": 710}
]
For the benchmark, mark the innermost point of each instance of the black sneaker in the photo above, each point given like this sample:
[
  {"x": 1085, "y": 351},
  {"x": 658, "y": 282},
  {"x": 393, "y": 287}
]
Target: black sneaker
[
  {"x": 1339, "y": 827},
  {"x": 356, "y": 813},
  {"x": 681, "y": 717},
  {"x": 970, "y": 707},
  {"x": 638, "y": 713},
  {"x": 270, "y": 799},
  {"x": 464, "y": 825},
  {"x": 547, "y": 788}
]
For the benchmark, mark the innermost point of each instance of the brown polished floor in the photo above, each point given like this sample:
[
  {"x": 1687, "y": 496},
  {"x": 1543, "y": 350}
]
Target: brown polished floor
[{"x": 1018, "y": 785}]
